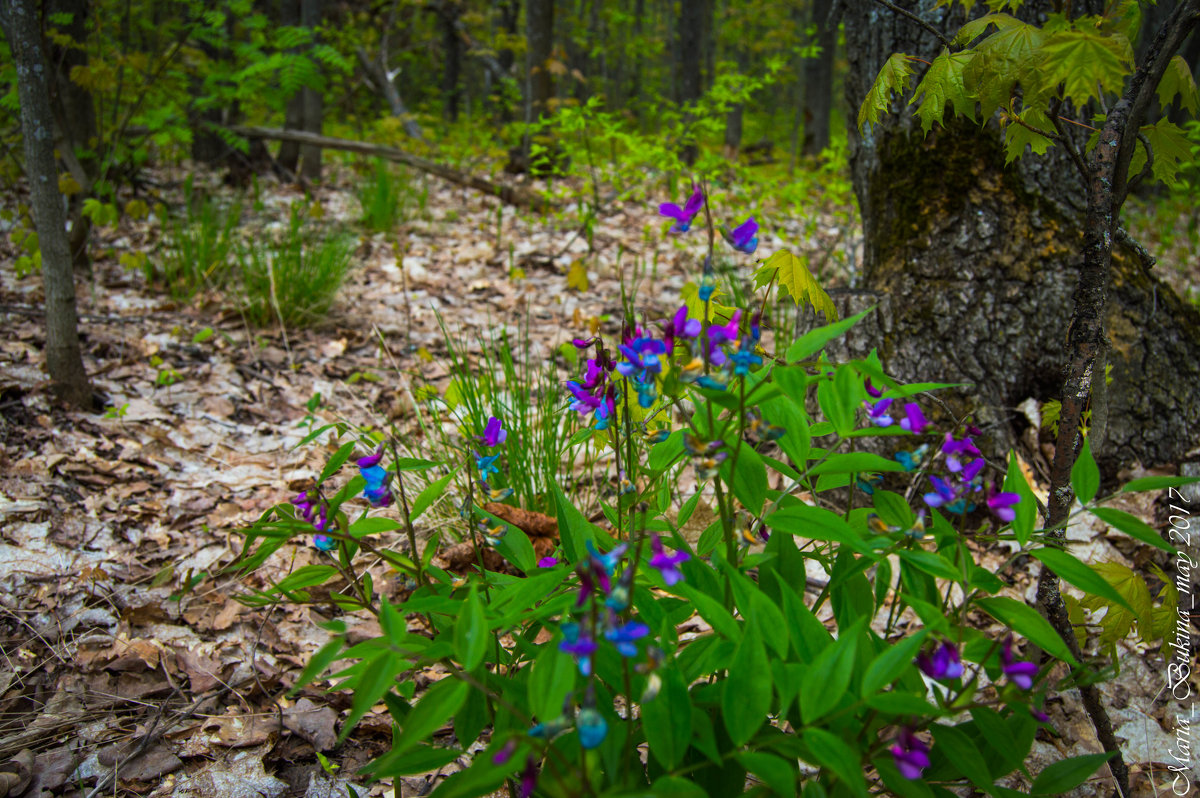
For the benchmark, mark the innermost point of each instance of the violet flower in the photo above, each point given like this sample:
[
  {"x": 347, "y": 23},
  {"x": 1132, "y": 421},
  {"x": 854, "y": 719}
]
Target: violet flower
[
  {"x": 877, "y": 412},
  {"x": 623, "y": 637},
  {"x": 578, "y": 644},
  {"x": 376, "y": 491},
  {"x": 943, "y": 493},
  {"x": 1019, "y": 673},
  {"x": 547, "y": 562},
  {"x": 744, "y": 237},
  {"x": 493, "y": 433},
  {"x": 528, "y": 777},
  {"x": 944, "y": 663},
  {"x": 914, "y": 420},
  {"x": 667, "y": 564},
  {"x": 1001, "y": 504},
  {"x": 502, "y": 756},
  {"x": 910, "y": 753},
  {"x": 679, "y": 326},
  {"x": 683, "y": 216},
  {"x": 872, "y": 390},
  {"x": 971, "y": 470}
]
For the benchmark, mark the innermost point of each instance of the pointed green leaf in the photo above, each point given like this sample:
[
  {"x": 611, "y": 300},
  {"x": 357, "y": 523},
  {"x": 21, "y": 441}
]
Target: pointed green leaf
[
  {"x": 891, "y": 662},
  {"x": 814, "y": 340},
  {"x": 1171, "y": 148},
  {"x": 835, "y": 754},
  {"x": 1026, "y": 621},
  {"x": 828, "y": 677},
  {"x": 799, "y": 282},
  {"x": 1134, "y": 527},
  {"x": 894, "y": 77},
  {"x": 943, "y": 83},
  {"x": 746, "y": 697},
  {"x": 667, "y": 719},
  {"x": 1026, "y": 509},
  {"x": 1079, "y": 575},
  {"x": 1061, "y": 777},
  {"x": 1086, "y": 61},
  {"x": 427, "y": 497},
  {"x": 1178, "y": 82},
  {"x": 1085, "y": 474},
  {"x": 435, "y": 707},
  {"x": 471, "y": 634},
  {"x": 963, "y": 754}
]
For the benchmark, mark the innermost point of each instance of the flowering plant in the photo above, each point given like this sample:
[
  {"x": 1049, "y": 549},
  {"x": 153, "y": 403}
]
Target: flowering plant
[{"x": 816, "y": 635}]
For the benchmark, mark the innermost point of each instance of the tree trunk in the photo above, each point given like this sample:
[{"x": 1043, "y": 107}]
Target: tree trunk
[
  {"x": 293, "y": 115},
  {"x": 314, "y": 102},
  {"x": 691, "y": 36},
  {"x": 817, "y": 74},
  {"x": 539, "y": 83},
  {"x": 448, "y": 13},
  {"x": 975, "y": 268},
  {"x": 75, "y": 115},
  {"x": 64, "y": 359}
]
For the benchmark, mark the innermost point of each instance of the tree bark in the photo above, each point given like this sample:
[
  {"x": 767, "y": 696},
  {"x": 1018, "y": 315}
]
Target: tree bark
[
  {"x": 975, "y": 266},
  {"x": 539, "y": 82},
  {"x": 314, "y": 101},
  {"x": 817, "y": 74},
  {"x": 691, "y": 36},
  {"x": 64, "y": 359},
  {"x": 75, "y": 115},
  {"x": 448, "y": 13},
  {"x": 293, "y": 115}
]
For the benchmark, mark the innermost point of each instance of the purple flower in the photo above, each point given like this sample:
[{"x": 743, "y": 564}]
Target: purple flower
[
  {"x": 872, "y": 390},
  {"x": 578, "y": 644},
  {"x": 324, "y": 542},
  {"x": 502, "y": 756},
  {"x": 914, "y": 420},
  {"x": 877, "y": 412},
  {"x": 1019, "y": 673},
  {"x": 1001, "y": 504},
  {"x": 667, "y": 564},
  {"x": 529, "y": 777},
  {"x": 547, "y": 562},
  {"x": 1038, "y": 715},
  {"x": 744, "y": 237},
  {"x": 371, "y": 460},
  {"x": 944, "y": 663},
  {"x": 683, "y": 216},
  {"x": 971, "y": 469},
  {"x": 623, "y": 636},
  {"x": 679, "y": 326},
  {"x": 910, "y": 754},
  {"x": 943, "y": 493},
  {"x": 493, "y": 433}
]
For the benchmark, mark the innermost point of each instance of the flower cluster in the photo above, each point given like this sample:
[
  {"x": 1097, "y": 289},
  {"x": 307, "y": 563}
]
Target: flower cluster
[
  {"x": 743, "y": 238},
  {"x": 494, "y": 435},
  {"x": 595, "y": 394},
  {"x": 878, "y": 412},
  {"x": 377, "y": 491},
  {"x": 956, "y": 492},
  {"x": 314, "y": 510}
]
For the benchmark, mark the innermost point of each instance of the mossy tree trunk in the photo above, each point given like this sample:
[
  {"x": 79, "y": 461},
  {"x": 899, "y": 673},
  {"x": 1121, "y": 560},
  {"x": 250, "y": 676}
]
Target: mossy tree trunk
[{"x": 975, "y": 266}]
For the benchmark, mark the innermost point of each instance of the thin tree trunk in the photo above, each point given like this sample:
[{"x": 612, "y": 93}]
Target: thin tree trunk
[
  {"x": 314, "y": 102},
  {"x": 293, "y": 115},
  {"x": 691, "y": 38},
  {"x": 448, "y": 13},
  {"x": 64, "y": 359},
  {"x": 75, "y": 115},
  {"x": 817, "y": 75}
]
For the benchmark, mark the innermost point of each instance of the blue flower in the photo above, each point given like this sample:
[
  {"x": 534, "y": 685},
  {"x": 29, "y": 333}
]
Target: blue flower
[
  {"x": 592, "y": 728},
  {"x": 623, "y": 636},
  {"x": 487, "y": 465},
  {"x": 744, "y": 237}
]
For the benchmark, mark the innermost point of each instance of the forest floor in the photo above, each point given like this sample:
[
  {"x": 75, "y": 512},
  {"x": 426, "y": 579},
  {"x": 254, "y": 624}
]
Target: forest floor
[{"x": 104, "y": 516}]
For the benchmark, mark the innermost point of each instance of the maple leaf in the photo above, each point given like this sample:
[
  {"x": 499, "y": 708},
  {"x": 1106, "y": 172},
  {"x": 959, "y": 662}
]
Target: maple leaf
[
  {"x": 795, "y": 277},
  {"x": 1118, "y": 621},
  {"x": 895, "y": 76},
  {"x": 716, "y": 312},
  {"x": 577, "y": 277},
  {"x": 1171, "y": 146},
  {"x": 1083, "y": 60},
  {"x": 942, "y": 83},
  {"x": 1178, "y": 81},
  {"x": 1017, "y": 137},
  {"x": 1002, "y": 60}
]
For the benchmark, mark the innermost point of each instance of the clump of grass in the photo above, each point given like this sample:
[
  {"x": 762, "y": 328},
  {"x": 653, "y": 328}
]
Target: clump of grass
[
  {"x": 198, "y": 247},
  {"x": 293, "y": 280},
  {"x": 385, "y": 198}
]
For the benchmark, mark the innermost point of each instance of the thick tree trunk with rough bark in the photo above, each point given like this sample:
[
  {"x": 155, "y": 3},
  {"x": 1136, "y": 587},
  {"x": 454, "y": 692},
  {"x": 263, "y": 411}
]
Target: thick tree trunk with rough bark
[
  {"x": 975, "y": 267},
  {"x": 64, "y": 359}
]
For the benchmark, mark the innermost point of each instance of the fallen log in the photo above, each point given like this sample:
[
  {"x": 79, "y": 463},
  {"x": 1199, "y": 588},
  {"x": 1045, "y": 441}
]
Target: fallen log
[{"x": 512, "y": 195}]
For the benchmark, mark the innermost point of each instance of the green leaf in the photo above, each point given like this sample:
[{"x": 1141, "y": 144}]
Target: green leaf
[
  {"x": 1085, "y": 474},
  {"x": 1157, "y": 483},
  {"x": 1178, "y": 82},
  {"x": 422, "y": 759},
  {"x": 746, "y": 697},
  {"x": 827, "y": 678},
  {"x": 931, "y": 563},
  {"x": 376, "y": 678},
  {"x": 1134, "y": 527},
  {"x": 1026, "y": 509},
  {"x": 1171, "y": 148},
  {"x": 307, "y": 576},
  {"x": 439, "y": 703},
  {"x": 799, "y": 282},
  {"x": 814, "y": 340},
  {"x": 471, "y": 633},
  {"x": 817, "y": 523},
  {"x": 1079, "y": 575},
  {"x": 855, "y": 463},
  {"x": 894, "y": 77},
  {"x": 833, "y": 753},
  {"x": 710, "y": 610},
  {"x": 690, "y": 294},
  {"x": 943, "y": 83},
  {"x": 324, "y": 657},
  {"x": 1086, "y": 61},
  {"x": 427, "y": 497},
  {"x": 572, "y": 526},
  {"x": 963, "y": 754},
  {"x": 773, "y": 770},
  {"x": 676, "y": 787},
  {"x": 1061, "y": 777},
  {"x": 1017, "y": 136},
  {"x": 749, "y": 481},
  {"x": 891, "y": 662},
  {"x": 340, "y": 456},
  {"x": 901, "y": 704},
  {"x": 1026, "y": 621},
  {"x": 667, "y": 719},
  {"x": 1118, "y": 621},
  {"x": 1001, "y": 60},
  {"x": 551, "y": 678}
]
